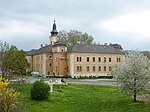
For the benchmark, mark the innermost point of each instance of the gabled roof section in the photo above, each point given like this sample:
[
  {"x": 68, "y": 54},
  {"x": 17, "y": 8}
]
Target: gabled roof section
[
  {"x": 86, "y": 48},
  {"x": 32, "y": 52},
  {"x": 45, "y": 49}
]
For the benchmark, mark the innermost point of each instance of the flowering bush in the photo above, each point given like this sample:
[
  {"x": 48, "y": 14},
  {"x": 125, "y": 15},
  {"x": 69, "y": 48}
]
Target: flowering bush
[{"x": 8, "y": 96}]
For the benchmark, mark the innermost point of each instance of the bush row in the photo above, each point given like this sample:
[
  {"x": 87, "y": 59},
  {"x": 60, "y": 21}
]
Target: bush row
[{"x": 92, "y": 77}]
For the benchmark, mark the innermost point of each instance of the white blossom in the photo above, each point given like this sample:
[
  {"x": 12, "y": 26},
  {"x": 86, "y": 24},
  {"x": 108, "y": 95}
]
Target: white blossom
[{"x": 134, "y": 74}]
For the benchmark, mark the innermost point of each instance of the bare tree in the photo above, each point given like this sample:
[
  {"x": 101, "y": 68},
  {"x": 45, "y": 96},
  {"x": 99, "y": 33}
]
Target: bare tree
[
  {"x": 74, "y": 36},
  {"x": 4, "y": 47},
  {"x": 134, "y": 74}
]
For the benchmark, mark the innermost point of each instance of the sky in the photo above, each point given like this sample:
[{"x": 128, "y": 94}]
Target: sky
[{"x": 27, "y": 23}]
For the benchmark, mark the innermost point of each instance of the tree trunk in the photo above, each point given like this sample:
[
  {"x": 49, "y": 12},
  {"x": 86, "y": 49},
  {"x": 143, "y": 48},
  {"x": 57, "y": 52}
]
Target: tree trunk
[
  {"x": 134, "y": 92},
  {"x": 134, "y": 96}
]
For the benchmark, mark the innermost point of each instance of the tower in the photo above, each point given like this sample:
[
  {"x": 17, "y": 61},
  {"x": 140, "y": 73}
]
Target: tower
[{"x": 53, "y": 38}]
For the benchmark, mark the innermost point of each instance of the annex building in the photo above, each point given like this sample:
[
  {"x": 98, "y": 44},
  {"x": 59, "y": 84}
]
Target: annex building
[{"x": 79, "y": 60}]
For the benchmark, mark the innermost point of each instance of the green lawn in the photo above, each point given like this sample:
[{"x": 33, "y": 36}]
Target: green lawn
[{"x": 81, "y": 98}]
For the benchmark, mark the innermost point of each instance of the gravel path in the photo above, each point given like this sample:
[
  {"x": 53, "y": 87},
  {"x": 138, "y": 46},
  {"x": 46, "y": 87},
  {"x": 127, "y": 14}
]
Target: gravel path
[
  {"x": 106, "y": 82},
  {"x": 31, "y": 79}
]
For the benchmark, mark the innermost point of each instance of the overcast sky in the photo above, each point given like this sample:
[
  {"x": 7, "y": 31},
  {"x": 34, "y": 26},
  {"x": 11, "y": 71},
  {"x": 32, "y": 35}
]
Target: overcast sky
[{"x": 27, "y": 23}]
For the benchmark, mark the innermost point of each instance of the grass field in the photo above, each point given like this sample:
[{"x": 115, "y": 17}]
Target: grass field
[{"x": 81, "y": 98}]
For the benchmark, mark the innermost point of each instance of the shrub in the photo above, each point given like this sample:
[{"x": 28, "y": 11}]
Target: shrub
[
  {"x": 39, "y": 91},
  {"x": 27, "y": 73},
  {"x": 105, "y": 77},
  {"x": 8, "y": 96}
]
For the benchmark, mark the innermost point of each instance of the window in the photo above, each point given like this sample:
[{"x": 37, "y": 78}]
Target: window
[
  {"x": 93, "y": 59},
  {"x": 99, "y": 59},
  {"x": 94, "y": 68},
  {"x": 104, "y": 67},
  {"x": 110, "y": 68},
  {"x": 48, "y": 73},
  {"x": 79, "y": 68},
  {"x": 88, "y": 59},
  {"x": 50, "y": 57},
  {"x": 104, "y": 59},
  {"x": 62, "y": 50},
  {"x": 50, "y": 64},
  {"x": 87, "y": 68},
  {"x": 109, "y": 59},
  {"x": 118, "y": 59},
  {"x": 99, "y": 68},
  {"x": 79, "y": 59}
]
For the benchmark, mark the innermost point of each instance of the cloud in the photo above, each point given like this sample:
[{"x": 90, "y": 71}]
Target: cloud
[
  {"x": 13, "y": 27},
  {"x": 27, "y": 23},
  {"x": 137, "y": 23}
]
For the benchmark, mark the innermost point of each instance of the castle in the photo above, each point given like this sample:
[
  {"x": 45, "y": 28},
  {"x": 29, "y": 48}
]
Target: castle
[{"x": 56, "y": 59}]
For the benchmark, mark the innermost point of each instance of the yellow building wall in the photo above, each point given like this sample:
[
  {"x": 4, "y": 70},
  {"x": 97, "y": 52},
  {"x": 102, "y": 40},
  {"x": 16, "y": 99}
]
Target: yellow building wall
[
  {"x": 61, "y": 63},
  {"x": 84, "y": 63}
]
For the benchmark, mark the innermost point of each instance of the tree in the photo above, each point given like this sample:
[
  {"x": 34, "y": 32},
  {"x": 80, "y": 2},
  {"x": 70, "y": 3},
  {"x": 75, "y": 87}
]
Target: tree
[
  {"x": 4, "y": 47},
  {"x": 74, "y": 36},
  {"x": 14, "y": 62},
  {"x": 146, "y": 53},
  {"x": 134, "y": 74}
]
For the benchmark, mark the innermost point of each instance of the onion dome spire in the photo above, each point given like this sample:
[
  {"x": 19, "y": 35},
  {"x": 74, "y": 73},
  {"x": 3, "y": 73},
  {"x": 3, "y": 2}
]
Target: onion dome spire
[{"x": 54, "y": 30}]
